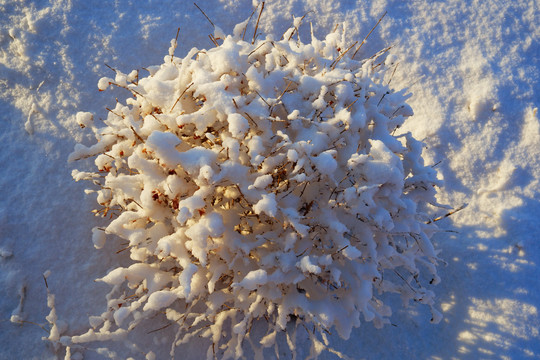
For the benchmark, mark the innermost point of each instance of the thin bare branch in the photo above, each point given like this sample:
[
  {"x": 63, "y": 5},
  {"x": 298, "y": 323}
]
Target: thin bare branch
[
  {"x": 182, "y": 94},
  {"x": 206, "y": 16},
  {"x": 257, "y": 24},
  {"x": 333, "y": 66},
  {"x": 363, "y": 41},
  {"x": 448, "y": 214}
]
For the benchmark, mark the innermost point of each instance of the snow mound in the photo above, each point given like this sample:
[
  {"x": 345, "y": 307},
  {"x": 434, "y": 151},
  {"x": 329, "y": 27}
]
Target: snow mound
[{"x": 260, "y": 179}]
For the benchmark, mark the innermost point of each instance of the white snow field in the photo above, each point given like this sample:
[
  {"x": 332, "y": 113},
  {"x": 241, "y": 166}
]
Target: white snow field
[{"x": 473, "y": 71}]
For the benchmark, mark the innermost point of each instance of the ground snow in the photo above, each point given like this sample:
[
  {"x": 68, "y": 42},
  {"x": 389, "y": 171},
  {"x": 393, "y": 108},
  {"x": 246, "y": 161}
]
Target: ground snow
[{"x": 474, "y": 73}]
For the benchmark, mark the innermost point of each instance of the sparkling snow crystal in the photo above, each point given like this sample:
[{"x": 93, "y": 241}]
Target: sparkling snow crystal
[{"x": 261, "y": 180}]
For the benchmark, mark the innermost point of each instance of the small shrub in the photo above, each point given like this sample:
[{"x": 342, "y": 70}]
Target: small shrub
[{"x": 257, "y": 180}]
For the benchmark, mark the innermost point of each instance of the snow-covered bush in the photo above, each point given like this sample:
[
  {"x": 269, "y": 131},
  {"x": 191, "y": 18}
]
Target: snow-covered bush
[{"x": 261, "y": 180}]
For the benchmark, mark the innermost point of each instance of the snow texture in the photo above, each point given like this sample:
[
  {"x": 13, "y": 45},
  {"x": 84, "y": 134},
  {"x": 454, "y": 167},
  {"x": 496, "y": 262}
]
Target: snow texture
[{"x": 472, "y": 68}]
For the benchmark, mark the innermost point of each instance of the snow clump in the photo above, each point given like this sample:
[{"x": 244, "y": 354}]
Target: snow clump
[{"x": 261, "y": 180}]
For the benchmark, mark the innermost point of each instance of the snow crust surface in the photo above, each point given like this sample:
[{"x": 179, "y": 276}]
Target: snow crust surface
[{"x": 472, "y": 68}]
